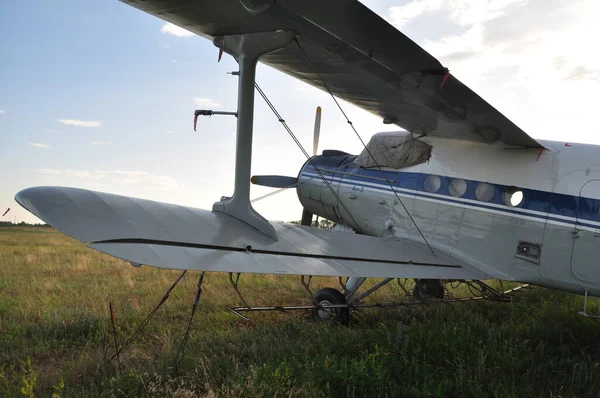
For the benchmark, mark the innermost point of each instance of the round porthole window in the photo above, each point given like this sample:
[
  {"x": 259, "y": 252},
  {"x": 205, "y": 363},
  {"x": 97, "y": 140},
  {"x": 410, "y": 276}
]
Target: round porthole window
[
  {"x": 432, "y": 183},
  {"x": 457, "y": 187},
  {"x": 512, "y": 196},
  {"x": 485, "y": 192}
]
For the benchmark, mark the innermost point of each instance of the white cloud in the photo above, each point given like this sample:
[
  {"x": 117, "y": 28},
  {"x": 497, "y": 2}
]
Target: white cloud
[
  {"x": 170, "y": 132},
  {"x": 529, "y": 58},
  {"x": 81, "y": 123},
  {"x": 174, "y": 61},
  {"x": 100, "y": 142},
  {"x": 38, "y": 145},
  {"x": 49, "y": 171},
  {"x": 206, "y": 103},
  {"x": 120, "y": 178},
  {"x": 463, "y": 12},
  {"x": 2, "y": 111},
  {"x": 175, "y": 30},
  {"x": 400, "y": 15}
]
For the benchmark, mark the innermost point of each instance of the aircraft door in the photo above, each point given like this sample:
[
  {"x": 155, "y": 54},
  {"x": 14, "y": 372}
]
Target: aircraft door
[{"x": 585, "y": 259}]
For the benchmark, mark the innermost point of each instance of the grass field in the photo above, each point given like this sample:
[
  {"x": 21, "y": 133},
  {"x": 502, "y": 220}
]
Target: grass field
[{"x": 56, "y": 338}]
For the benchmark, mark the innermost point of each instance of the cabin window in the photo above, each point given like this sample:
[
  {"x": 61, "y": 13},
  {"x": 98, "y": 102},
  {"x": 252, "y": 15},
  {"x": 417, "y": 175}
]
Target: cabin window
[
  {"x": 485, "y": 192},
  {"x": 512, "y": 196},
  {"x": 457, "y": 187},
  {"x": 432, "y": 183}
]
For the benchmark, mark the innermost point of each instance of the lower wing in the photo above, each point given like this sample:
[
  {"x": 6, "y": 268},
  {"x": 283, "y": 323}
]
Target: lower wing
[{"x": 177, "y": 237}]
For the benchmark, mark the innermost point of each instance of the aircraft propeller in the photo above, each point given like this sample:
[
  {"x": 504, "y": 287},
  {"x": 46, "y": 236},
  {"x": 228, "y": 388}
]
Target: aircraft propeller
[
  {"x": 275, "y": 181},
  {"x": 317, "y": 131}
]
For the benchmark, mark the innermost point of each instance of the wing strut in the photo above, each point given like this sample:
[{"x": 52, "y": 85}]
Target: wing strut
[
  {"x": 247, "y": 49},
  {"x": 363, "y": 143}
]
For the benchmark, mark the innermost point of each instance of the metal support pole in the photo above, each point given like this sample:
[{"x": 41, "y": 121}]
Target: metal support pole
[
  {"x": 247, "y": 49},
  {"x": 352, "y": 285},
  {"x": 306, "y": 286},
  {"x": 371, "y": 290},
  {"x": 234, "y": 284},
  {"x": 585, "y": 301}
]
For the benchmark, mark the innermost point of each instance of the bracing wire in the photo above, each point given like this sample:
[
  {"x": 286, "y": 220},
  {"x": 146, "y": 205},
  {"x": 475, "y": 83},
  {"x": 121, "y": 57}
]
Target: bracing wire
[
  {"x": 287, "y": 128},
  {"x": 181, "y": 351},
  {"x": 269, "y": 194},
  {"x": 362, "y": 142},
  {"x": 145, "y": 322}
]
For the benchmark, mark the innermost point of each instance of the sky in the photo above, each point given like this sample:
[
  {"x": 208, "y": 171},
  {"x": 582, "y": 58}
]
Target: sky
[{"x": 100, "y": 95}]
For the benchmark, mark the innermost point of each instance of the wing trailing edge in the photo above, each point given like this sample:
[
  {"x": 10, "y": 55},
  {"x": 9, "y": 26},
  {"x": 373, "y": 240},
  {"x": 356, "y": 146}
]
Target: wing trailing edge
[{"x": 177, "y": 237}]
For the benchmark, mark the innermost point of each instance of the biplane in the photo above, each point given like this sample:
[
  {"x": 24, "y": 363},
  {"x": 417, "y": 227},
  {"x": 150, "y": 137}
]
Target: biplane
[{"x": 459, "y": 194}]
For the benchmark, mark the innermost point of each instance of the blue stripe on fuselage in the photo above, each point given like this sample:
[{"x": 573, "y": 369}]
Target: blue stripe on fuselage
[{"x": 549, "y": 203}]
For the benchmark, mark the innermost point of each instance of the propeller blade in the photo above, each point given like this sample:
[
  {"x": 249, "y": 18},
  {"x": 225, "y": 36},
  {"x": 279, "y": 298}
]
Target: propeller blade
[
  {"x": 317, "y": 131},
  {"x": 275, "y": 181}
]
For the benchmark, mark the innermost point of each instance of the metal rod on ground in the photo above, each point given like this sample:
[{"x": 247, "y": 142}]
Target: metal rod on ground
[
  {"x": 144, "y": 323},
  {"x": 114, "y": 329},
  {"x": 282, "y": 308},
  {"x": 285, "y": 308},
  {"x": 181, "y": 350}
]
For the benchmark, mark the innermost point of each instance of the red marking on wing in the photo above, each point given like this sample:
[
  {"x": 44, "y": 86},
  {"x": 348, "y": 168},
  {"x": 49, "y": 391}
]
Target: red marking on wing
[
  {"x": 446, "y": 76},
  {"x": 540, "y": 154}
]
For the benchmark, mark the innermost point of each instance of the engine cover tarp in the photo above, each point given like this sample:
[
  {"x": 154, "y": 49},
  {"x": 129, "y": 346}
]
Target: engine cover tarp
[{"x": 395, "y": 150}]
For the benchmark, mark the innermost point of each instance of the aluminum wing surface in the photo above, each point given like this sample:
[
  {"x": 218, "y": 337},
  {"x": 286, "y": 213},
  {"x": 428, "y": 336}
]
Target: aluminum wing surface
[
  {"x": 362, "y": 58},
  {"x": 177, "y": 237}
]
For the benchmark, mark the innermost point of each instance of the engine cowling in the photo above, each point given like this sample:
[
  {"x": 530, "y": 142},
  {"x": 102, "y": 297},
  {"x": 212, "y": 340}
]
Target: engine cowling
[{"x": 314, "y": 193}]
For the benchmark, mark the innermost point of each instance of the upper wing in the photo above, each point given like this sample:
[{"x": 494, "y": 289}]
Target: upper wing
[
  {"x": 177, "y": 237},
  {"x": 362, "y": 58}
]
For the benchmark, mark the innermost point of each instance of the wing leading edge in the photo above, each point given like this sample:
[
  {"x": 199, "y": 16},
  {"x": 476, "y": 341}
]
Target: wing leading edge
[
  {"x": 178, "y": 237},
  {"x": 362, "y": 58}
]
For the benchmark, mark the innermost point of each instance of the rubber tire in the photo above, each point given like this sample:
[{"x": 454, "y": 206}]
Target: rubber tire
[
  {"x": 333, "y": 296},
  {"x": 426, "y": 289},
  {"x": 439, "y": 292}
]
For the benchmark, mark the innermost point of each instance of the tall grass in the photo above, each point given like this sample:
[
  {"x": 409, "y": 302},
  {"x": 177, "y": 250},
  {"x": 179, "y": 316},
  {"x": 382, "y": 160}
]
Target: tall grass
[{"x": 56, "y": 338}]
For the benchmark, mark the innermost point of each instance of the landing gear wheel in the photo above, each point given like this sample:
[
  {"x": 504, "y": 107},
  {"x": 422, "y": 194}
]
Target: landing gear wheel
[
  {"x": 426, "y": 289},
  {"x": 330, "y": 296}
]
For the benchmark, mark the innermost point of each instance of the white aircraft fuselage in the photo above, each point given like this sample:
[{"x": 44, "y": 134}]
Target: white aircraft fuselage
[{"x": 465, "y": 201}]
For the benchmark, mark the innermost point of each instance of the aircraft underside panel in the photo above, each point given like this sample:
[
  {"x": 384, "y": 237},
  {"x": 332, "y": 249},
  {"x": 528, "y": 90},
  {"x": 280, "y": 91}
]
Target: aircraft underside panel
[{"x": 177, "y": 237}]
